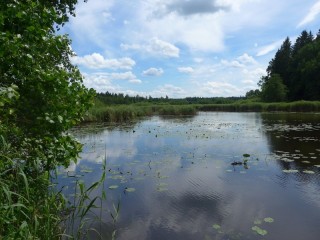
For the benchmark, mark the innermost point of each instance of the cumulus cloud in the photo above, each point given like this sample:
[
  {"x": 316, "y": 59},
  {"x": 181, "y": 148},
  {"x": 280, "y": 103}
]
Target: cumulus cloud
[
  {"x": 153, "y": 72},
  {"x": 246, "y": 59},
  {"x": 313, "y": 12},
  {"x": 104, "y": 81},
  {"x": 155, "y": 47},
  {"x": 97, "y": 61},
  {"x": 233, "y": 64},
  {"x": 188, "y": 70},
  {"x": 169, "y": 90},
  {"x": 222, "y": 89},
  {"x": 163, "y": 48},
  {"x": 239, "y": 62}
]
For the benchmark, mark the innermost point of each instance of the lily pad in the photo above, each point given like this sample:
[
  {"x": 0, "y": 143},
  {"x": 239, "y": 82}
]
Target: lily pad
[
  {"x": 318, "y": 166},
  {"x": 113, "y": 187},
  {"x": 162, "y": 189},
  {"x": 216, "y": 226},
  {"x": 246, "y": 155},
  {"x": 260, "y": 231},
  {"x": 268, "y": 220},
  {"x": 162, "y": 184},
  {"x": 130, "y": 189},
  {"x": 290, "y": 171},
  {"x": 257, "y": 222},
  {"x": 308, "y": 172}
]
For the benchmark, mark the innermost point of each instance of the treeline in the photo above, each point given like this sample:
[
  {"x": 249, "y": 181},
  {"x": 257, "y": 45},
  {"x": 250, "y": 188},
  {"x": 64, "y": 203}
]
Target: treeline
[
  {"x": 120, "y": 98},
  {"x": 294, "y": 72}
]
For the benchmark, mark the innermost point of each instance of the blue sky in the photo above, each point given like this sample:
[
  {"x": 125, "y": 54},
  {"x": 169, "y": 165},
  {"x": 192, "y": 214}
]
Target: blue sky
[{"x": 183, "y": 48}]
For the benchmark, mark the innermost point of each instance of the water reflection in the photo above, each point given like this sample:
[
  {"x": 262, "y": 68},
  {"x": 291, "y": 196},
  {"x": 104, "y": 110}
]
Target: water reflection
[{"x": 184, "y": 182}]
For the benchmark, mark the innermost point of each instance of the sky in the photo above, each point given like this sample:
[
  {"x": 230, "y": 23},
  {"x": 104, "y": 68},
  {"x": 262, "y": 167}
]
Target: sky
[{"x": 183, "y": 48}]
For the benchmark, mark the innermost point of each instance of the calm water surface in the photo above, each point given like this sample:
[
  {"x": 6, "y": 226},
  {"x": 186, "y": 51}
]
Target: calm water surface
[{"x": 184, "y": 185}]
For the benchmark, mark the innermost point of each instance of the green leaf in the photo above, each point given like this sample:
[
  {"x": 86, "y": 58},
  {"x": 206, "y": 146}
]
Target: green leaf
[
  {"x": 130, "y": 189},
  {"x": 269, "y": 220},
  {"x": 259, "y": 230},
  {"x": 216, "y": 226}
]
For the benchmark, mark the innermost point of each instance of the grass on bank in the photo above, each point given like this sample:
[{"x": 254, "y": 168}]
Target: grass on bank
[
  {"x": 31, "y": 207},
  {"x": 101, "y": 112},
  {"x": 121, "y": 113}
]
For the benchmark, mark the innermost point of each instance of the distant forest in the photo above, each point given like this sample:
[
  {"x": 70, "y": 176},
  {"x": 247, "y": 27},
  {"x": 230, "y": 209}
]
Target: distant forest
[
  {"x": 114, "y": 98},
  {"x": 292, "y": 75},
  {"x": 294, "y": 72}
]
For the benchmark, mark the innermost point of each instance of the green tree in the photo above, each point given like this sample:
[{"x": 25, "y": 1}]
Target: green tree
[
  {"x": 253, "y": 94},
  {"x": 273, "y": 89},
  {"x": 280, "y": 64},
  {"x": 307, "y": 73},
  {"x": 36, "y": 60}
]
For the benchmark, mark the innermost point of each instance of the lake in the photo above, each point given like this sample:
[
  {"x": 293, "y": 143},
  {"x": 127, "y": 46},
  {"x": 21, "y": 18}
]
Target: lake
[{"x": 216, "y": 175}]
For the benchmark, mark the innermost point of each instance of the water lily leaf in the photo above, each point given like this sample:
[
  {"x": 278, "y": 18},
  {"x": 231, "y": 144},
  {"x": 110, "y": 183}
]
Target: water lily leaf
[
  {"x": 246, "y": 155},
  {"x": 260, "y": 231},
  {"x": 216, "y": 226},
  {"x": 162, "y": 189},
  {"x": 257, "y": 222},
  {"x": 162, "y": 184},
  {"x": 290, "y": 171},
  {"x": 308, "y": 172},
  {"x": 113, "y": 187},
  {"x": 318, "y": 166},
  {"x": 130, "y": 189},
  {"x": 163, "y": 177},
  {"x": 305, "y": 161},
  {"x": 268, "y": 220}
]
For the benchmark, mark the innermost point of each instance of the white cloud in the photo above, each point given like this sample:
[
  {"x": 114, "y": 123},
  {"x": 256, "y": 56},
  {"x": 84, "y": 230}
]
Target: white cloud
[
  {"x": 264, "y": 50},
  {"x": 313, "y": 12},
  {"x": 246, "y": 59},
  {"x": 90, "y": 22},
  {"x": 158, "y": 46},
  {"x": 196, "y": 31},
  {"x": 188, "y": 70},
  {"x": 168, "y": 90},
  {"x": 155, "y": 47},
  {"x": 187, "y": 8},
  {"x": 233, "y": 64},
  {"x": 153, "y": 72},
  {"x": 222, "y": 89},
  {"x": 135, "y": 81},
  {"x": 97, "y": 61},
  {"x": 104, "y": 81}
]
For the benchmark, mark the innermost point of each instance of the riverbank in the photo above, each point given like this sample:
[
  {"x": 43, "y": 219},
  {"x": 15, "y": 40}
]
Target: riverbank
[{"x": 101, "y": 112}]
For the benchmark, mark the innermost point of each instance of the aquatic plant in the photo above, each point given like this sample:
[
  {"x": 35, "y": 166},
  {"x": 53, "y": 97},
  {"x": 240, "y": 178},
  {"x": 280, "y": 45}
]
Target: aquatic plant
[{"x": 259, "y": 230}]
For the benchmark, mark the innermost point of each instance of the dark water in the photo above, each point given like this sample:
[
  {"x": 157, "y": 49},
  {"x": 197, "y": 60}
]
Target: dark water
[{"x": 184, "y": 185}]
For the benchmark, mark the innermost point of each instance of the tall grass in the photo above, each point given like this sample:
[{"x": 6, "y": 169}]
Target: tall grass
[
  {"x": 299, "y": 106},
  {"x": 122, "y": 113},
  {"x": 31, "y": 207},
  {"x": 28, "y": 210}
]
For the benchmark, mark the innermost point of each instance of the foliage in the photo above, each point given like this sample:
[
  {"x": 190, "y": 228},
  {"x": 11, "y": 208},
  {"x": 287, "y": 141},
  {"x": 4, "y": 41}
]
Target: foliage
[
  {"x": 37, "y": 61},
  {"x": 120, "y": 98},
  {"x": 299, "y": 67},
  {"x": 274, "y": 90},
  {"x": 41, "y": 97}
]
